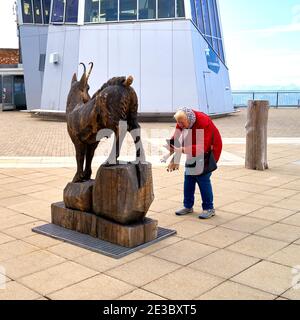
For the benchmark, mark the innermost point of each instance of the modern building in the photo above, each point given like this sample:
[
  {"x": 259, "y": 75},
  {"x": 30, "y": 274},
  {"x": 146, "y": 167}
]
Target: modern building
[
  {"x": 173, "y": 48},
  {"x": 12, "y": 89}
]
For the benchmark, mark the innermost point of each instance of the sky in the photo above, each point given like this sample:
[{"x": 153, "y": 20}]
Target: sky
[
  {"x": 8, "y": 30},
  {"x": 262, "y": 41}
]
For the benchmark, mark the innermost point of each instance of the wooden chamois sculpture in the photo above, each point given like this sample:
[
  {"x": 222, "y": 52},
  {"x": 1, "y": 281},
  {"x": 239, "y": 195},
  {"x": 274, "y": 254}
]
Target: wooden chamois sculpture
[{"x": 116, "y": 101}]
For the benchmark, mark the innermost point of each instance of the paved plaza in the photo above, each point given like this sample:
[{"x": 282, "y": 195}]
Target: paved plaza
[{"x": 250, "y": 250}]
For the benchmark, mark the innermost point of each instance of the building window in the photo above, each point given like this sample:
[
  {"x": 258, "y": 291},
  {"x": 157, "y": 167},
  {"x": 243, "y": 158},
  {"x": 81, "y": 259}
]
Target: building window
[
  {"x": 108, "y": 10},
  {"x": 209, "y": 40},
  {"x": 27, "y": 11},
  {"x": 128, "y": 10},
  {"x": 221, "y": 51},
  {"x": 216, "y": 18},
  {"x": 72, "y": 11},
  {"x": 212, "y": 18},
  {"x": 58, "y": 10},
  {"x": 91, "y": 11},
  {"x": 46, "y": 9},
  {"x": 147, "y": 9},
  {"x": 64, "y": 11},
  {"x": 193, "y": 11},
  {"x": 166, "y": 9},
  {"x": 42, "y": 62},
  {"x": 37, "y": 11},
  {"x": 207, "y": 27},
  {"x": 216, "y": 45},
  {"x": 180, "y": 12},
  {"x": 200, "y": 15}
]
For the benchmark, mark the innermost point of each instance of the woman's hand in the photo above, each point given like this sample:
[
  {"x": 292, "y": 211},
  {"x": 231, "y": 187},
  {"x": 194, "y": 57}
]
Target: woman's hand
[
  {"x": 172, "y": 167},
  {"x": 174, "y": 149},
  {"x": 169, "y": 148},
  {"x": 179, "y": 150}
]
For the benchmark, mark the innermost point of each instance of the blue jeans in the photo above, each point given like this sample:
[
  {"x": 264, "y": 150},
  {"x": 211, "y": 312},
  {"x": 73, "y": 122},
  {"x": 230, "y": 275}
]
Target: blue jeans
[{"x": 205, "y": 187}]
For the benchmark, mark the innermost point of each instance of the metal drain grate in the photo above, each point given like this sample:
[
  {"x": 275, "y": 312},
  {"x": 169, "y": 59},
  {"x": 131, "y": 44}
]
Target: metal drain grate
[{"x": 94, "y": 244}]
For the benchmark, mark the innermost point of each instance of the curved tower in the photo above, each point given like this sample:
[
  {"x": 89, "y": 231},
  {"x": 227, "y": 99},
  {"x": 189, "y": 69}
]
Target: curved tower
[{"x": 173, "y": 48}]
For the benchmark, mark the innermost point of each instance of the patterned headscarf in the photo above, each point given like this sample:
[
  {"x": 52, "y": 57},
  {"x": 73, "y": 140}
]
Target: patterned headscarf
[{"x": 190, "y": 115}]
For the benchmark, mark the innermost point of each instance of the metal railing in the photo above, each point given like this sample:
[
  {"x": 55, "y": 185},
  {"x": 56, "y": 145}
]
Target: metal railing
[{"x": 277, "y": 99}]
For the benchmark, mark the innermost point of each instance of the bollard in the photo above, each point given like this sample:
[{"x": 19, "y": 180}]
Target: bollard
[{"x": 256, "y": 135}]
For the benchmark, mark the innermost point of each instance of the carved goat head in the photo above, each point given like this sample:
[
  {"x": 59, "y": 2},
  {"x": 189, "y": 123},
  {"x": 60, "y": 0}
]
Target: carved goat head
[{"x": 80, "y": 89}]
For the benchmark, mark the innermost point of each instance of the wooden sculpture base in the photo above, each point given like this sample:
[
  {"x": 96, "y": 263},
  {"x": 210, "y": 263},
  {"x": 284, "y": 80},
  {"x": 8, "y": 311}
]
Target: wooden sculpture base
[{"x": 128, "y": 236}]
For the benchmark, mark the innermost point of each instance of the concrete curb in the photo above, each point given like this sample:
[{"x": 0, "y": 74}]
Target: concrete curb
[{"x": 51, "y": 115}]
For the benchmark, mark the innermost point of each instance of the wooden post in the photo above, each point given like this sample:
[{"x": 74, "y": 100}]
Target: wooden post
[{"x": 256, "y": 135}]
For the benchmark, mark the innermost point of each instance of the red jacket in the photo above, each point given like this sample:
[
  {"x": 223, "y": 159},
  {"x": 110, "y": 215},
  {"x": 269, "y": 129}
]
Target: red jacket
[{"x": 212, "y": 137}]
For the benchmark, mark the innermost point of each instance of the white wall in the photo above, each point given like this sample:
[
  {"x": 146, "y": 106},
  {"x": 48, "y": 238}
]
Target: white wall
[
  {"x": 166, "y": 59},
  {"x": 33, "y": 43},
  {"x": 62, "y": 40},
  {"x": 124, "y": 52},
  {"x": 93, "y": 47},
  {"x": 185, "y": 88}
]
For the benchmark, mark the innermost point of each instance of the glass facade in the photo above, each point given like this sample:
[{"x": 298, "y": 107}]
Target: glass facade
[
  {"x": 128, "y": 10},
  {"x": 147, "y": 9},
  {"x": 58, "y": 11},
  {"x": 132, "y": 10},
  {"x": 64, "y": 11},
  {"x": 213, "y": 19},
  {"x": 200, "y": 20},
  {"x": 37, "y": 10},
  {"x": 46, "y": 10},
  {"x": 166, "y": 9},
  {"x": 217, "y": 18},
  {"x": 108, "y": 10},
  {"x": 72, "y": 11},
  {"x": 180, "y": 10},
  {"x": 193, "y": 12},
  {"x": 27, "y": 11},
  {"x": 92, "y": 10},
  {"x": 204, "y": 14},
  {"x": 206, "y": 18}
]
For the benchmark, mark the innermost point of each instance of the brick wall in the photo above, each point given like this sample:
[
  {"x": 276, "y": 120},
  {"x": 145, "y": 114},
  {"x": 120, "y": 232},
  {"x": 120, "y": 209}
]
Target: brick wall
[{"x": 9, "y": 56}]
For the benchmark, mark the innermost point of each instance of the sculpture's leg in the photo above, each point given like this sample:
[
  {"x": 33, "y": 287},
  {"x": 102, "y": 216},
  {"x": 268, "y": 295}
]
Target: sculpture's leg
[
  {"x": 135, "y": 131},
  {"x": 90, "y": 151},
  {"x": 80, "y": 153}
]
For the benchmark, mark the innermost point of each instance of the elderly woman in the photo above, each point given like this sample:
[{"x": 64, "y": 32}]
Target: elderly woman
[{"x": 187, "y": 118}]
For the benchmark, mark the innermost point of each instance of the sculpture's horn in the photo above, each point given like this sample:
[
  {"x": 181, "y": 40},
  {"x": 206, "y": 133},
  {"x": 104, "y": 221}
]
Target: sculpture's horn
[
  {"x": 83, "y": 79},
  {"x": 84, "y": 67},
  {"x": 90, "y": 71}
]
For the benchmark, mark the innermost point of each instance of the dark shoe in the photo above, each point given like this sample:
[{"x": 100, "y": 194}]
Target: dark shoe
[
  {"x": 184, "y": 211},
  {"x": 207, "y": 214}
]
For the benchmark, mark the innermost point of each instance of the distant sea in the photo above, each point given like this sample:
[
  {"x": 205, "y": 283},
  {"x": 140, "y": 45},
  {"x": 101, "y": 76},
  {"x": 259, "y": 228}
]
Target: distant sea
[{"x": 282, "y": 98}]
